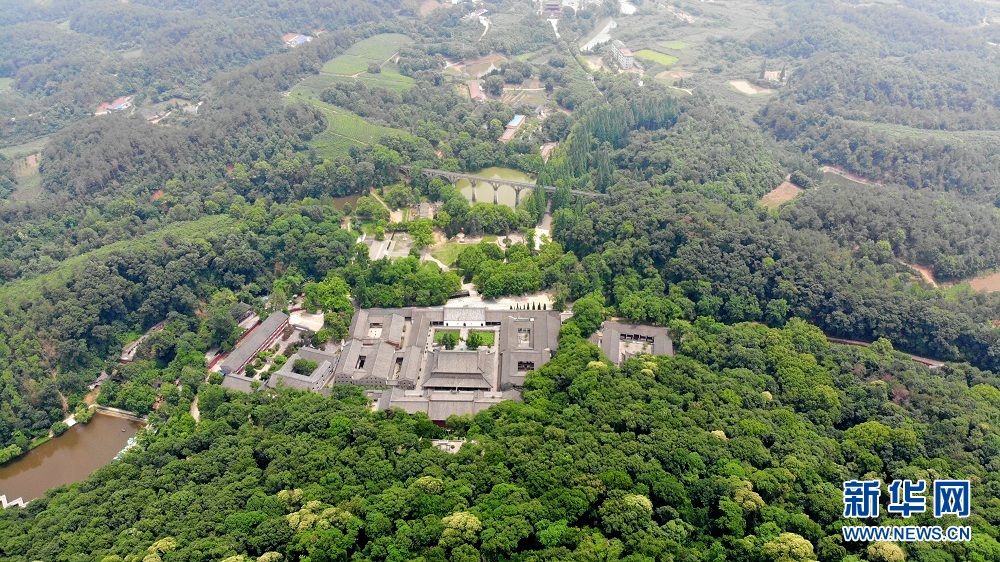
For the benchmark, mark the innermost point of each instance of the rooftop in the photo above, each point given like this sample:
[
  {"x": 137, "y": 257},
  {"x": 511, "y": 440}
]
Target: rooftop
[{"x": 248, "y": 347}]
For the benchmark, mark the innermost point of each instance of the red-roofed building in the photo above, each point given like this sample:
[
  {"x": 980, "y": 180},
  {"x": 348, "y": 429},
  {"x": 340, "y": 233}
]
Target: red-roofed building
[
  {"x": 117, "y": 104},
  {"x": 476, "y": 91}
]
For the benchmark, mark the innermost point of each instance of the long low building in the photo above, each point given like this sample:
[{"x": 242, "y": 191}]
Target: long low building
[{"x": 260, "y": 338}]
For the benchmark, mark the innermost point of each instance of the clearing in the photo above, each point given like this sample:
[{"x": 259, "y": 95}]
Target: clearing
[
  {"x": 657, "y": 57},
  {"x": 6, "y": 84},
  {"x": 29, "y": 180},
  {"x": 353, "y": 64},
  {"x": 675, "y": 45},
  {"x": 344, "y": 128},
  {"x": 595, "y": 62},
  {"x": 988, "y": 283},
  {"x": 428, "y": 6},
  {"x": 745, "y": 87},
  {"x": 781, "y": 194},
  {"x": 838, "y": 176}
]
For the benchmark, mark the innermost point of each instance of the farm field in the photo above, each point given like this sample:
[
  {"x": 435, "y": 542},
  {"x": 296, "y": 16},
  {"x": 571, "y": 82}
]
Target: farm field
[
  {"x": 344, "y": 128},
  {"x": 345, "y": 64},
  {"x": 781, "y": 194},
  {"x": 657, "y": 57},
  {"x": 674, "y": 45},
  {"x": 353, "y": 65},
  {"x": 26, "y": 149},
  {"x": 903, "y": 131},
  {"x": 29, "y": 180}
]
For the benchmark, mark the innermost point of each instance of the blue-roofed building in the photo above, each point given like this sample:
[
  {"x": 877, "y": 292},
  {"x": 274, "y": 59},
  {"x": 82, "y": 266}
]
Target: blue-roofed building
[{"x": 512, "y": 128}]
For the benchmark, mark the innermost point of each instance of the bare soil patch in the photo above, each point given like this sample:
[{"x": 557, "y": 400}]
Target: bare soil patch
[
  {"x": 781, "y": 194},
  {"x": 989, "y": 283},
  {"x": 925, "y": 272},
  {"x": 849, "y": 175},
  {"x": 428, "y": 6},
  {"x": 745, "y": 87}
]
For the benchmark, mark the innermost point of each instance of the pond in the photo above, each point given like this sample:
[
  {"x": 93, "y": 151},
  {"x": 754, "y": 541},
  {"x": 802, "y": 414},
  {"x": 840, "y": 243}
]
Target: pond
[
  {"x": 505, "y": 195},
  {"x": 69, "y": 458},
  {"x": 339, "y": 202}
]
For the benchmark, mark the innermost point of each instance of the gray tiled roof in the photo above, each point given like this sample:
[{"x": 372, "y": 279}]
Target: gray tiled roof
[
  {"x": 237, "y": 382},
  {"x": 251, "y": 344}
]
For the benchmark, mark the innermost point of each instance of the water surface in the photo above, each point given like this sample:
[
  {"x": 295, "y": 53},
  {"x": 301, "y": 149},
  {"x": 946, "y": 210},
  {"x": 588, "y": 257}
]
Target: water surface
[
  {"x": 484, "y": 191},
  {"x": 69, "y": 458}
]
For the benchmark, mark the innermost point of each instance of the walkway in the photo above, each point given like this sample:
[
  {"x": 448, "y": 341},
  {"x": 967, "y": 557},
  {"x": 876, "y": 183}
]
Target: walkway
[{"x": 932, "y": 363}]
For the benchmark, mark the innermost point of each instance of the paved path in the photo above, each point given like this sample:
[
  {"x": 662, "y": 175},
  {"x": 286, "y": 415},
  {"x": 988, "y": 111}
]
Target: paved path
[{"x": 932, "y": 363}]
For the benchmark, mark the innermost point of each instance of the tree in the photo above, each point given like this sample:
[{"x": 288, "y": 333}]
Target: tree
[
  {"x": 374, "y": 68},
  {"x": 494, "y": 84},
  {"x": 304, "y": 366},
  {"x": 422, "y": 232},
  {"x": 449, "y": 340},
  {"x": 59, "y": 428},
  {"x": 474, "y": 340},
  {"x": 789, "y": 547},
  {"x": 588, "y": 313}
]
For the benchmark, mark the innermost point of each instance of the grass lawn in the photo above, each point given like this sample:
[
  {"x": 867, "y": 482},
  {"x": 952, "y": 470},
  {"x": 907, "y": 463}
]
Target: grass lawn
[
  {"x": 488, "y": 337},
  {"x": 448, "y": 252},
  {"x": 657, "y": 57},
  {"x": 438, "y": 334},
  {"x": 675, "y": 45}
]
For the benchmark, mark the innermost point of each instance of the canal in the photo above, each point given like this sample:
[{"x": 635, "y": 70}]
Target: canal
[
  {"x": 71, "y": 457},
  {"x": 484, "y": 192}
]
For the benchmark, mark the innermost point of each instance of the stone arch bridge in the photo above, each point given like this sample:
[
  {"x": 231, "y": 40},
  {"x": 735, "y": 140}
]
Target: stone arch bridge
[{"x": 518, "y": 186}]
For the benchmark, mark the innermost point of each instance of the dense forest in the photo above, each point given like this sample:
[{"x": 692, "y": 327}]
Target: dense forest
[
  {"x": 732, "y": 450},
  {"x": 874, "y": 86},
  {"x": 957, "y": 238}
]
